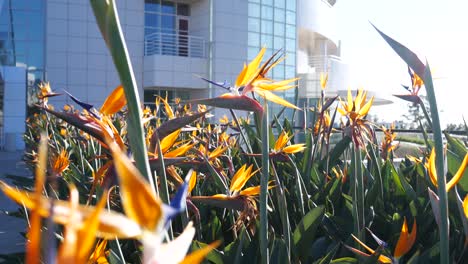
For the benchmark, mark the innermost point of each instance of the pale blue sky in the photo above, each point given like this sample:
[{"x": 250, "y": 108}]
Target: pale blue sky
[{"x": 434, "y": 29}]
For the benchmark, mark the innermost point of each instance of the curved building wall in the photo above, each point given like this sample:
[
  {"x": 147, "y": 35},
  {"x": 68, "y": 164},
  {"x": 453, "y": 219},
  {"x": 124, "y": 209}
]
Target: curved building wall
[{"x": 317, "y": 16}]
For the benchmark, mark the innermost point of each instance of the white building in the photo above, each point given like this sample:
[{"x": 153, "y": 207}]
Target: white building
[{"x": 170, "y": 43}]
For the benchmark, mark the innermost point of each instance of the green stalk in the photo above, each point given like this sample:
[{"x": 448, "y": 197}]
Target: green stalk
[
  {"x": 358, "y": 196},
  {"x": 107, "y": 18},
  {"x": 443, "y": 202},
  {"x": 264, "y": 188},
  {"x": 164, "y": 191},
  {"x": 283, "y": 211}
]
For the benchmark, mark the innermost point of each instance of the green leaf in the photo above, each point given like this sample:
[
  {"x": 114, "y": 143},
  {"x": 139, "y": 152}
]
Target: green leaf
[
  {"x": 214, "y": 256},
  {"x": 328, "y": 258},
  {"x": 279, "y": 252},
  {"x": 107, "y": 18},
  {"x": 407, "y": 55},
  {"x": 346, "y": 260},
  {"x": 304, "y": 233},
  {"x": 336, "y": 153}
]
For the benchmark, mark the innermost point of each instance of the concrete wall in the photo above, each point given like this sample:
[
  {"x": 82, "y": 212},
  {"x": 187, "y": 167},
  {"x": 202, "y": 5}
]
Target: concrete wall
[
  {"x": 14, "y": 107},
  {"x": 77, "y": 58}
]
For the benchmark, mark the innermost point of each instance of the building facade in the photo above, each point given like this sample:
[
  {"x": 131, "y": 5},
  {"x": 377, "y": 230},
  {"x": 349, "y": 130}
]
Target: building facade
[{"x": 171, "y": 44}]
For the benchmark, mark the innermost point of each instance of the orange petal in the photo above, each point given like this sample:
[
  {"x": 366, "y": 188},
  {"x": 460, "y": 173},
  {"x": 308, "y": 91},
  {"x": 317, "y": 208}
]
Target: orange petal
[
  {"x": 241, "y": 179},
  {"x": 461, "y": 170},
  {"x": 465, "y": 206},
  {"x": 432, "y": 169},
  {"x": 365, "y": 109},
  {"x": 87, "y": 234},
  {"x": 198, "y": 256},
  {"x": 33, "y": 247},
  {"x": 274, "y": 98},
  {"x": 323, "y": 80},
  {"x": 111, "y": 224},
  {"x": 253, "y": 191},
  {"x": 249, "y": 72},
  {"x": 281, "y": 141},
  {"x": 192, "y": 181},
  {"x": 294, "y": 148},
  {"x": 405, "y": 241},
  {"x": 179, "y": 151},
  {"x": 169, "y": 140},
  {"x": 139, "y": 200},
  {"x": 114, "y": 102}
]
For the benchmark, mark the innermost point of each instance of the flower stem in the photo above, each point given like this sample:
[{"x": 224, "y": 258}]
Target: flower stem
[
  {"x": 264, "y": 188},
  {"x": 443, "y": 203}
]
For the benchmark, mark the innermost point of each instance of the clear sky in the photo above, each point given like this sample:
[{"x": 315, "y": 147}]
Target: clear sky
[{"x": 436, "y": 30}]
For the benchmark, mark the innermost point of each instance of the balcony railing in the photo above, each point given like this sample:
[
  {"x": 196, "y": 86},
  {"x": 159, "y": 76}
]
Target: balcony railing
[
  {"x": 181, "y": 44},
  {"x": 322, "y": 63}
]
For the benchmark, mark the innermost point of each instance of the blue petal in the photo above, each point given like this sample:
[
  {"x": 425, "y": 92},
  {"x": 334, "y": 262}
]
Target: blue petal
[
  {"x": 86, "y": 106},
  {"x": 178, "y": 202},
  {"x": 224, "y": 85},
  {"x": 378, "y": 240}
]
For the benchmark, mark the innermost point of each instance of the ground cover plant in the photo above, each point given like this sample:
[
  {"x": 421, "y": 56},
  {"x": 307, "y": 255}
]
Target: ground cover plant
[{"x": 125, "y": 184}]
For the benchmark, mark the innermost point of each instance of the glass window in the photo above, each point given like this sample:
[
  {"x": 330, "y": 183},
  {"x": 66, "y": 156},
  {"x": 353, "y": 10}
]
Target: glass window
[
  {"x": 152, "y": 20},
  {"x": 183, "y": 10},
  {"x": 278, "y": 43},
  {"x": 290, "y": 17},
  {"x": 168, "y": 23},
  {"x": 168, "y": 7},
  {"x": 254, "y": 24},
  {"x": 278, "y": 71},
  {"x": 254, "y": 10},
  {"x": 290, "y": 31},
  {"x": 267, "y": 27},
  {"x": 267, "y": 2},
  {"x": 152, "y": 5},
  {"x": 279, "y": 15},
  {"x": 254, "y": 39},
  {"x": 267, "y": 40},
  {"x": 291, "y": 45},
  {"x": 279, "y": 29},
  {"x": 280, "y": 3},
  {"x": 267, "y": 12},
  {"x": 291, "y": 5},
  {"x": 290, "y": 58},
  {"x": 290, "y": 72},
  {"x": 252, "y": 52}
]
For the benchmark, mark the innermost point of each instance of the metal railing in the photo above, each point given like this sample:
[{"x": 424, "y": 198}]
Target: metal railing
[
  {"x": 174, "y": 44},
  {"x": 322, "y": 63}
]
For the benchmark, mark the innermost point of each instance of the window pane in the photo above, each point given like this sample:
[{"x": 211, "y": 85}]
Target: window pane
[
  {"x": 267, "y": 12},
  {"x": 267, "y": 27},
  {"x": 278, "y": 43},
  {"x": 153, "y": 6},
  {"x": 267, "y": 2},
  {"x": 280, "y": 3},
  {"x": 290, "y": 31},
  {"x": 291, "y": 5},
  {"x": 254, "y": 39},
  {"x": 291, "y": 59},
  {"x": 290, "y": 45},
  {"x": 279, "y": 29},
  {"x": 183, "y": 10},
  {"x": 252, "y": 52},
  {"x": 290, "y": 72},
  {"x": 254, "y": 10},
  {"x": 279, "y": 15},
  {"x": 291, "y": 17},
  {"x": 168, "y": 7},
  {"x": 278, "y": 71},
  {"x": 254, "y": 24},
  {"x": 168, "y": 23},
  {"x": 267, "y": 40},
  {"x": 152, "y": 20}
]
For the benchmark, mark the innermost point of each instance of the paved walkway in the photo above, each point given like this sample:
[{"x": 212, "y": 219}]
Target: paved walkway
[{"x": 11, "y": 241}]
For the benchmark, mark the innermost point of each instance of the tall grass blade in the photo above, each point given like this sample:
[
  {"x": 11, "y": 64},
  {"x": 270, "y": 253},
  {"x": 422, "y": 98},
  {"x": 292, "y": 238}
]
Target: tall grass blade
[
  {"x": 264, "y": 188},
  {"x": 105, "y": 12}
]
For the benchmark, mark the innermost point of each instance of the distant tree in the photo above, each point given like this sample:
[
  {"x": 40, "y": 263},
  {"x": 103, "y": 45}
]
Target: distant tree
[{"x": 415, "y": 115}]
